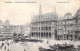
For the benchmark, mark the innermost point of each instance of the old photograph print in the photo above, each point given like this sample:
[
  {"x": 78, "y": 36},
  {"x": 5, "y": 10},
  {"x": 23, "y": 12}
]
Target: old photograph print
[{"x": 39, "y": 25}]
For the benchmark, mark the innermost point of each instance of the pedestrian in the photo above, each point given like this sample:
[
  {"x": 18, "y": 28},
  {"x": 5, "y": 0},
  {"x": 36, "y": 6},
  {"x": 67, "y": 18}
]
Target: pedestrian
[
  {"x": 2, "y": 44},
  {"x": 12, "y": 42},
  {"x": 8, "y": 44},
  {"x": 24, "y": 49},
  {"x": 5, "y": 47},
  {"x": 47, "y": 42},
  {"x": 8, "y": 50}
]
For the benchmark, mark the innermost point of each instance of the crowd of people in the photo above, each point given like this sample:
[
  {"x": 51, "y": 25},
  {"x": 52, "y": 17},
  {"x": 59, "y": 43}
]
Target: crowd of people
[{"x": 5, "y": 44}]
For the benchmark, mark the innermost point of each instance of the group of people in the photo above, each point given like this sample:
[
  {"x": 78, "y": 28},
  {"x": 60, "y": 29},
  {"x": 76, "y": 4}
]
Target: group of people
[{"x": 5, "y": 44}]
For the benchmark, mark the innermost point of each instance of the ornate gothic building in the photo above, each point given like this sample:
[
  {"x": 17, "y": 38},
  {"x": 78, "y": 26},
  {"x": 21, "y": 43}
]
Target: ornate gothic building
[{"x": 44, "y": 25}]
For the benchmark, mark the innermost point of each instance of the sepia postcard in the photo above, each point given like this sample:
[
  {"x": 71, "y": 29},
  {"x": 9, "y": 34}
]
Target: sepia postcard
[{"x": 39, "y": 25}]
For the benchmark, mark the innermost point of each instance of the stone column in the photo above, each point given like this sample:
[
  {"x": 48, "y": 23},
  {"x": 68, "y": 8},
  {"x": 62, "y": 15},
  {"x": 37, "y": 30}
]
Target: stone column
[
  {"x": 31, "y": 34},
  {"x": 52, "y": 35},
  {"x": 45, "y": 35},
  {"x": 40, "y": 35},
  {"x": 73, "y": 37},
  {"x": 63, "y": 37},
  {"x": 48, "y": 35},
  {"x": 40, "y": 30}
]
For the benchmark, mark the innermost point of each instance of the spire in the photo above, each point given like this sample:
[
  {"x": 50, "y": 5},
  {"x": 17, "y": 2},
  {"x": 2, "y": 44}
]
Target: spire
[{"x": 40, "y": 10}]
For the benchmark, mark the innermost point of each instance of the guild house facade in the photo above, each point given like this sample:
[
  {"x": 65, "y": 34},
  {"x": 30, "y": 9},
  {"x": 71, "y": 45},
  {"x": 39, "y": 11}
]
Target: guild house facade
[
  {"x": 68, "y": 28},
  {"x": 44, "y": 25}
]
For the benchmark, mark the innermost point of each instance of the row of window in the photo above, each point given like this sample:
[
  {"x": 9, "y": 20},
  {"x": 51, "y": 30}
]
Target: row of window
[
  {"x": 45, "y": 17},
  {"x": 41, "y": 28},
  {"x": 44, "y": 23},
  {"x": 41, "y": 33}
]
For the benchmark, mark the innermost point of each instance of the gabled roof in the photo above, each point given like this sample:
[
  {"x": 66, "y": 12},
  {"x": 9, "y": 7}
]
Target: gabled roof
[
  {"x": 77, "y": 15},
  {"x": 45, "y": 17},
  {"x": 67, "y": 16}
]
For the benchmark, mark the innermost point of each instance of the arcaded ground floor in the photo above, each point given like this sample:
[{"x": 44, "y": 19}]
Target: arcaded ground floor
[{"x": 47, "y": 35}]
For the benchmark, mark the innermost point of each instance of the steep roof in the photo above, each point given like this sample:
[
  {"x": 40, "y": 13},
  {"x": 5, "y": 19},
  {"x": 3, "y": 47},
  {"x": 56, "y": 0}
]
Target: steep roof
[
  {"x": 77, "y": 15},
  {"x": 45, "y": 17},
  {"x": 68, "y": 16}
]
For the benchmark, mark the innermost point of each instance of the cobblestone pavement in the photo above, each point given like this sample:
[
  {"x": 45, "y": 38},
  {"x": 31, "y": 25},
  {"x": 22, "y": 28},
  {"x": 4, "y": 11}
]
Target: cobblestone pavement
[{"x": 30, "y": 46}]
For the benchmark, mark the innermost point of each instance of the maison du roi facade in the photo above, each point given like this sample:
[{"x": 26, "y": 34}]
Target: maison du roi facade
[
  {"x": 49, "y": 26},
  {"x": 43, "y": 25}
]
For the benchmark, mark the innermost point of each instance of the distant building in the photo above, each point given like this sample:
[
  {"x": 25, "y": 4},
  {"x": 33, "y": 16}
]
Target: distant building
[
  {"x": 26, "y": 30},
  {"x": 1, "y": 28},
  {"x": 44, "y": 25},
  {"x": 7, "y": 30}
]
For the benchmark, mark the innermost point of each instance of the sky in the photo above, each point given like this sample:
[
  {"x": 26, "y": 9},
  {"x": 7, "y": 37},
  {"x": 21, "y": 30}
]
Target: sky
[{"x": 21, "y": 13}]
